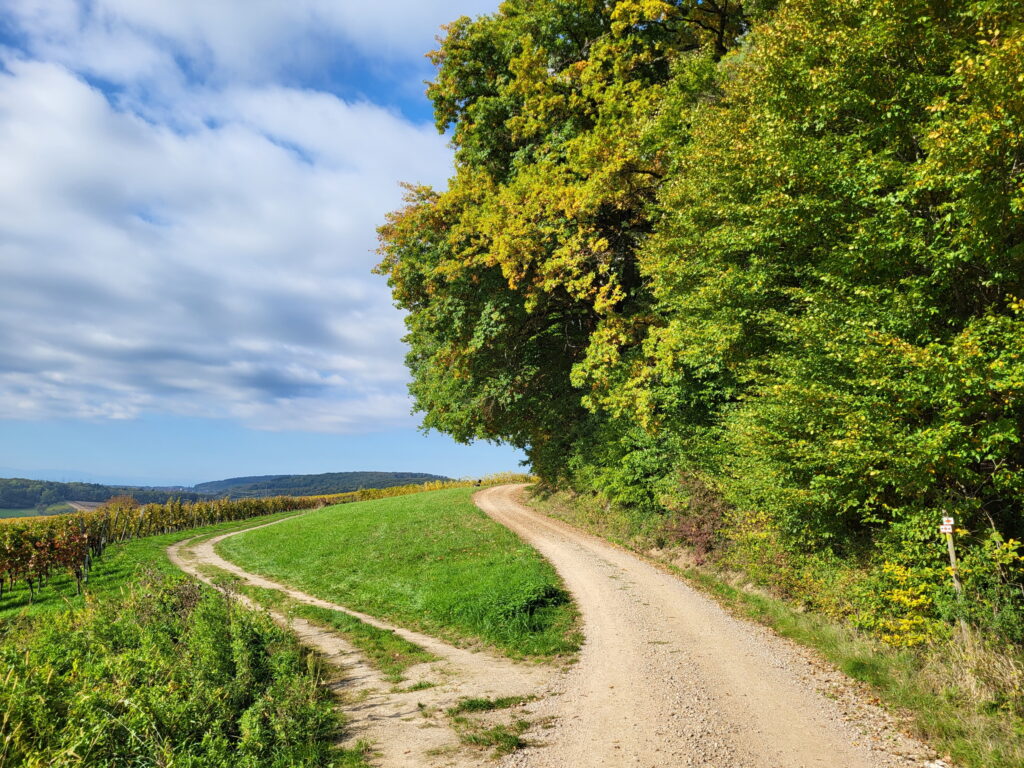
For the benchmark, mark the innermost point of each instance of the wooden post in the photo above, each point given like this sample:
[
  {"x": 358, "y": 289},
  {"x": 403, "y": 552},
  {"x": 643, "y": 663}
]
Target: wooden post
[
  {"x": 947, "y": 529},
  {"x": 953, "y": 566}
]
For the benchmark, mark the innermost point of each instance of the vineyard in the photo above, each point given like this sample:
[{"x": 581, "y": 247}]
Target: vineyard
[{"x": 32, "y": 551}]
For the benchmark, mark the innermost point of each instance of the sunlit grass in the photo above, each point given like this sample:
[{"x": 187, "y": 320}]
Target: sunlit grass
[{"x": 432, "y": 562}]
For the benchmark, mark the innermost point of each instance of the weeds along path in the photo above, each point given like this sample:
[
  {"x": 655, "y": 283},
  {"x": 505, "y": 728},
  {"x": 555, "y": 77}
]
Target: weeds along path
[
  {"x": 406, "y": 728},
  {"x": 667, "y": 678}
]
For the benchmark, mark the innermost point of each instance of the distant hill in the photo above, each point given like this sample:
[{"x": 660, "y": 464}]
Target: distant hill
[
  {"x": 310, "y": 485},
  {"x": 21, "y": 493}
]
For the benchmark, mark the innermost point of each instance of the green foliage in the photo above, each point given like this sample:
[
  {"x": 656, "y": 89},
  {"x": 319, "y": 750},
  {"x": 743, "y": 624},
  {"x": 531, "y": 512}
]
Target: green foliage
[
  {"x": 20, "y": 494},
  {"x": 435, "y": 563},
  {"x": 110, "y": 574},
  {"x": 40, "y": 494},
  {"x": 384, "y": 649},
  {"x": 778, "y": 249},
  {"x": 169, "y": 674}
]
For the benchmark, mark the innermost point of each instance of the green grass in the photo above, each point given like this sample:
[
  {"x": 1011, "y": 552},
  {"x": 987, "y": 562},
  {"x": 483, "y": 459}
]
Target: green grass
[
  {"x": 30, "y": 512},
  {"x": 385, "y": 650},
  {"x": 112, "y": 700},
  {"x": 118, "y": 566},
  {"x": 487, "y": 705},
  {"x": 167, "y": 672},
  {"x": 505, "y": 738},
  {"x": 432, "y": 561}
]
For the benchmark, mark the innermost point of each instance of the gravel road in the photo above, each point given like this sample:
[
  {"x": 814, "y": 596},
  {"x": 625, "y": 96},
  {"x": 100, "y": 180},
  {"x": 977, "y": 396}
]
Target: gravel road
[{"x": 667, "y": 678}]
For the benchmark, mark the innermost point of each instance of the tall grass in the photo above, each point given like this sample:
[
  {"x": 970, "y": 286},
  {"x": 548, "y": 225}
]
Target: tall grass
[{"x": 170, "y": 673}]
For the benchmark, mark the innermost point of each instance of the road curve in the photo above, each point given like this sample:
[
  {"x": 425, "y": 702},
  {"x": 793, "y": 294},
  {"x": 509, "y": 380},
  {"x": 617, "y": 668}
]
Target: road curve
[{"x": 667, "y": 678}]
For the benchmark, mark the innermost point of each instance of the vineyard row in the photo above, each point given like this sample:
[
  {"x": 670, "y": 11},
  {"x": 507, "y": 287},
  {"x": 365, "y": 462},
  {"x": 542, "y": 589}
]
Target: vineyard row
[{"x": 33, "y": 550}]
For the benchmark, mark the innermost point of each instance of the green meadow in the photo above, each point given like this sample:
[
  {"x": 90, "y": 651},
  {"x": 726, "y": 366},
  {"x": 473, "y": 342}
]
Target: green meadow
[{"x": 432, "y": 562}]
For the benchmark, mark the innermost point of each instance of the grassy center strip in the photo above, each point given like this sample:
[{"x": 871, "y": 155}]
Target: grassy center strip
[
  {"x": 386, "y": 651},
  {"x": 503, "y": 737}
]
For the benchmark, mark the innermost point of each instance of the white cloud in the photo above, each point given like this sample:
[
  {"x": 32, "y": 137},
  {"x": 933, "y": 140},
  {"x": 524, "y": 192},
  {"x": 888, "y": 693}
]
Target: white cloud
[
  {"x": 127, "y": 40},
  {"x": 217, "y": 270},
  {"x": 197, "y": 238}
]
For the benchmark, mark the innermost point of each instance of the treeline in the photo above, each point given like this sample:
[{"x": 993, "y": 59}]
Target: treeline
[
  {"x": 32, "y": 551},
  {"x": 311, "y": 485},
  {"x": 767, "y": 254},
  {"x": 19, "y": 493}
]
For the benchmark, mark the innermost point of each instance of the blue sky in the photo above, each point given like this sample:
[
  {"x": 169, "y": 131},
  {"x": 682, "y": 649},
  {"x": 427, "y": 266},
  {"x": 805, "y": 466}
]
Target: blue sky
[{"x": 187, "y": 225}]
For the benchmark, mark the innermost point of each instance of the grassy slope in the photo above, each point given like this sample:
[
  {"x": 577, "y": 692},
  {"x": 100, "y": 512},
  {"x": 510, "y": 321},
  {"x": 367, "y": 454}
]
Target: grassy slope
[
  {"x": 110, "y": 573},
  {"x": 30, "y": 512},
  {"x": 432, "y": 561}
]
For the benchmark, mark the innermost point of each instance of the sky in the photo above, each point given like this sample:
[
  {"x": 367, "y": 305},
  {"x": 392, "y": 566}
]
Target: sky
[{"x": 188, "y": 209}]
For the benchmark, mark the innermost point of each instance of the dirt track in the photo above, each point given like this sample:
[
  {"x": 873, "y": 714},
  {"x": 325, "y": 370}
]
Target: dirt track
[
  {"x": 406, "y": 727},
  {"x": 668, "y": 678},
  {"x": 665, "y": 679}
]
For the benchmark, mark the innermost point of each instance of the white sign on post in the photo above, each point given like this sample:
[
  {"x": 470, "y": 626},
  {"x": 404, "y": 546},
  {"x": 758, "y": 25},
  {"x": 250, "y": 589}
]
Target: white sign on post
[
  {"x": 945, "y": 528},
  {"x": 947, "y": 521}
]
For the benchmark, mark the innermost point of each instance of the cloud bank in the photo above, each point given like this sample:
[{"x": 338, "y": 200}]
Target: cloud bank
[{"x": 187, "y": 228}]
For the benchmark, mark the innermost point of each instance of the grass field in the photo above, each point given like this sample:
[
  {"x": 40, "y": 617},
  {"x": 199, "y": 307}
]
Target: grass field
[
  {"x": 61, "y": 508},
  {"x": 30, "y": 512},
  {"x": 432, "y": 562}
]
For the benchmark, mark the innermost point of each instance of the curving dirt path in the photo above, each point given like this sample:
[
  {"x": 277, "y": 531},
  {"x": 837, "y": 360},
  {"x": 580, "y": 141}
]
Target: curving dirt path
[
  {"x": 407, "y": 728},
  {"x": 668, "y": 678}
]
